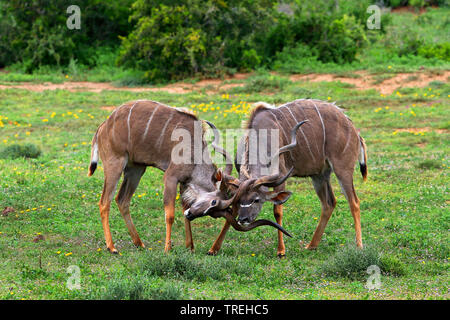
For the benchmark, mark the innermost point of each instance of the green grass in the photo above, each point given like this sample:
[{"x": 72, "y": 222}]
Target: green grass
[{"x": 404, "y": 205}]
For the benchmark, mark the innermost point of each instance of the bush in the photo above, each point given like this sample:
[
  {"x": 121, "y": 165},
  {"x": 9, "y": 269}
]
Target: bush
[
  {"x": 20, "y": 151},
  {"x": 351, "y": 262},
  {"x": 176, "y": 40},
  {"x": 429, "y": 164},
  {"x": 439, "y": 51},
  {"x": 139, "y": 288},
  {"x": 264, "y": 82},
  {"x": 403, "y": 40},
  {"x": 183, "y": 265},
  {"x": 35, "y": 32},
  {"x": 392, "y": 266}
]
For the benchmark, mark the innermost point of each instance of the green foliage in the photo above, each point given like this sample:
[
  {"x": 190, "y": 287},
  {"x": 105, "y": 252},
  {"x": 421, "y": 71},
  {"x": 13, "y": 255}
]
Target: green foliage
[
  {"x": 132, "y": 42},
  {"x": 175, "y": 40},
  {"x": 429, "y": 164},
  {"x": 439, "y": 51},
  {"x": 139, "y": 288},
  {"x": 14, "y": 151},
  {"x": 35, "y": 32},
  {"x": 264, "y": 81},
  {"x": 414, "y": 3},
  {"x": 351, "y": 262},
  {"x": 183, "y": 265},
  {"x": 391, "y": 265},
  {"x": 403, "y": 40}
]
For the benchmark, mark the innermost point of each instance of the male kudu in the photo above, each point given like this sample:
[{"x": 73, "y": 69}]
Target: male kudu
[
  {"x": 327, "y": 142},
  {"x": 140, "y": 134}
]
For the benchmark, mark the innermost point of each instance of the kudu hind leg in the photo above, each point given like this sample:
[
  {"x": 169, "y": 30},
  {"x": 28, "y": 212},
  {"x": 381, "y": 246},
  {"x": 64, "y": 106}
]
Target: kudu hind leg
[
  {"x": 113, "y": 171},
  {"x": 325, "y": 193},
  {"x": 346, "y": 181},
  {"x": 132, "y": 176}
]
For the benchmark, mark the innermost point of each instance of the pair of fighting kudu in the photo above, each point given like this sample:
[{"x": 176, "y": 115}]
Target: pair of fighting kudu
[{"x": 138, "y": 134}]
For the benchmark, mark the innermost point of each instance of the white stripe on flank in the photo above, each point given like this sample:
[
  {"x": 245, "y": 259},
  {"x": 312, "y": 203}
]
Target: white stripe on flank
[
  {"x": 148, "y": 123},
  {"x": 348, "y": 140},
  {"x": 281, "y": 128},
  {"x": 163, "y": 131},
  {"x": 128, "y": 121},
  {"x": 304, "y": 136},
  {"x": 323, "y": 126}
]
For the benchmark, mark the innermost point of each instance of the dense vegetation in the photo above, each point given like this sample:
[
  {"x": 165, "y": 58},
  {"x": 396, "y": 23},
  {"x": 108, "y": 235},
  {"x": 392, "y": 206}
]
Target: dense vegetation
[{"x": 162, "y": 40}]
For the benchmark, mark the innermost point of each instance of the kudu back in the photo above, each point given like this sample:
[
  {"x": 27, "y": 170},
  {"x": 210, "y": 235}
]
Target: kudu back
[
  {"x": 139, "y": 134},
  {"x": 324, "y": 140}
]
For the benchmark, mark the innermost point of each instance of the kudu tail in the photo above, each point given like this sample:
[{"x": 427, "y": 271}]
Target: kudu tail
[
  {"x": 94, "y": 156},
  {"x": 363, "y": 158}
]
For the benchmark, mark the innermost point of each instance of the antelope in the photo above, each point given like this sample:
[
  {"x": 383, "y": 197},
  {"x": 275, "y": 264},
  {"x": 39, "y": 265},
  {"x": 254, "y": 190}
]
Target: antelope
[
  {"x": 137, "y": 135},
  {"x": 323, "y": 140}
]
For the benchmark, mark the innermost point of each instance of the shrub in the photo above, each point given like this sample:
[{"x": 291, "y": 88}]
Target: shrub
[
  {"x": 440, "y": 51},
  {"x": 35, "y": 32},
  {"x": 351, "y": 262},
  {"x": 429, "y": 164},
  {"x": 392, "y": 265},
  {"x": 139, "y": 288},
  {"x": 175, "y": 40},
  {"x": 184, "y": 265},
  {"x": 20, "y": 151},
  {"x": 265, "y": 82},
  {"x": 403, "y": 41}
]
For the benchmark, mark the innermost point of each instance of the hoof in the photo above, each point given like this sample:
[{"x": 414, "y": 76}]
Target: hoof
[
  {"x": 113, "y": 251},
  {"x": 308, "y": 247},
  {"x": 211, "y": 253},
  {"x": 281, "y": 255},
  {"x": 140, "y": 245}
]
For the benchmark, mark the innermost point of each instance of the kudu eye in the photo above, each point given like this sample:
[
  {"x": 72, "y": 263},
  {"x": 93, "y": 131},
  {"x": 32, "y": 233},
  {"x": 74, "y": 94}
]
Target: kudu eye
[
  {"x": 213, "y": 203},
  {"x": 256, "y": 200}
]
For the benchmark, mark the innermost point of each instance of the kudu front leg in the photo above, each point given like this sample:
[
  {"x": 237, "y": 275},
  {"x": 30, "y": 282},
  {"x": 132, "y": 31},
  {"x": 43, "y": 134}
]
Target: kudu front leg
[
  {"x": 218, "y": 243},
  {"x": 278, "y": 214},
  {"x": 170, "y": 194},
  {"x": 188, "y": 232}
]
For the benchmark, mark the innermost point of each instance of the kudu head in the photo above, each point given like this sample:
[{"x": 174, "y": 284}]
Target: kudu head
[
  {"x": 216, "y": 203},
  {"x": 251, "y": 193}
]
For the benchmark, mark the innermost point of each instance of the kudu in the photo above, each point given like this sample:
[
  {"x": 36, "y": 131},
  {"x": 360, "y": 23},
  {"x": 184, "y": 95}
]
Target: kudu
[
  {"x": 326, "y": 142},
  {"x": 139, "y": 134}
]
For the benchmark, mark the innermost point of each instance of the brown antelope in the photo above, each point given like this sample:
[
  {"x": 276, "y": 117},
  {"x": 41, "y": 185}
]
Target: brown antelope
[
  {"x": 327, "y": 142},
  {"x": 140, "y": 134}
]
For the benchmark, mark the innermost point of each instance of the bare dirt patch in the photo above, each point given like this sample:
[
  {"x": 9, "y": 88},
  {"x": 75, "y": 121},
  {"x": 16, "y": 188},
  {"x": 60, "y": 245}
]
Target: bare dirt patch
[
  {"x": 212, "y": 86},
  {"x": 361, "y": 80},
  {"x": 424, "y": 129},
  {"x": 366, "y": 81}
]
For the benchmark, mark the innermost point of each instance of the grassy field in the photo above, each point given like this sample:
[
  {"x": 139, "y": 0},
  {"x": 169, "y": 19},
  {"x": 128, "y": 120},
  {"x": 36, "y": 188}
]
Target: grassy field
[{"x": 56, "y": 223}]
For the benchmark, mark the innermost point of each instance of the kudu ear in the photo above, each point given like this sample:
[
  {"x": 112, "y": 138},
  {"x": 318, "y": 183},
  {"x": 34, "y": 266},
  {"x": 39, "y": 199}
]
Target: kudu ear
[
  {"x": 229, "y": 183},
  {"x": 279, "y": 197},
  {"x": 217, "y": 176}
]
